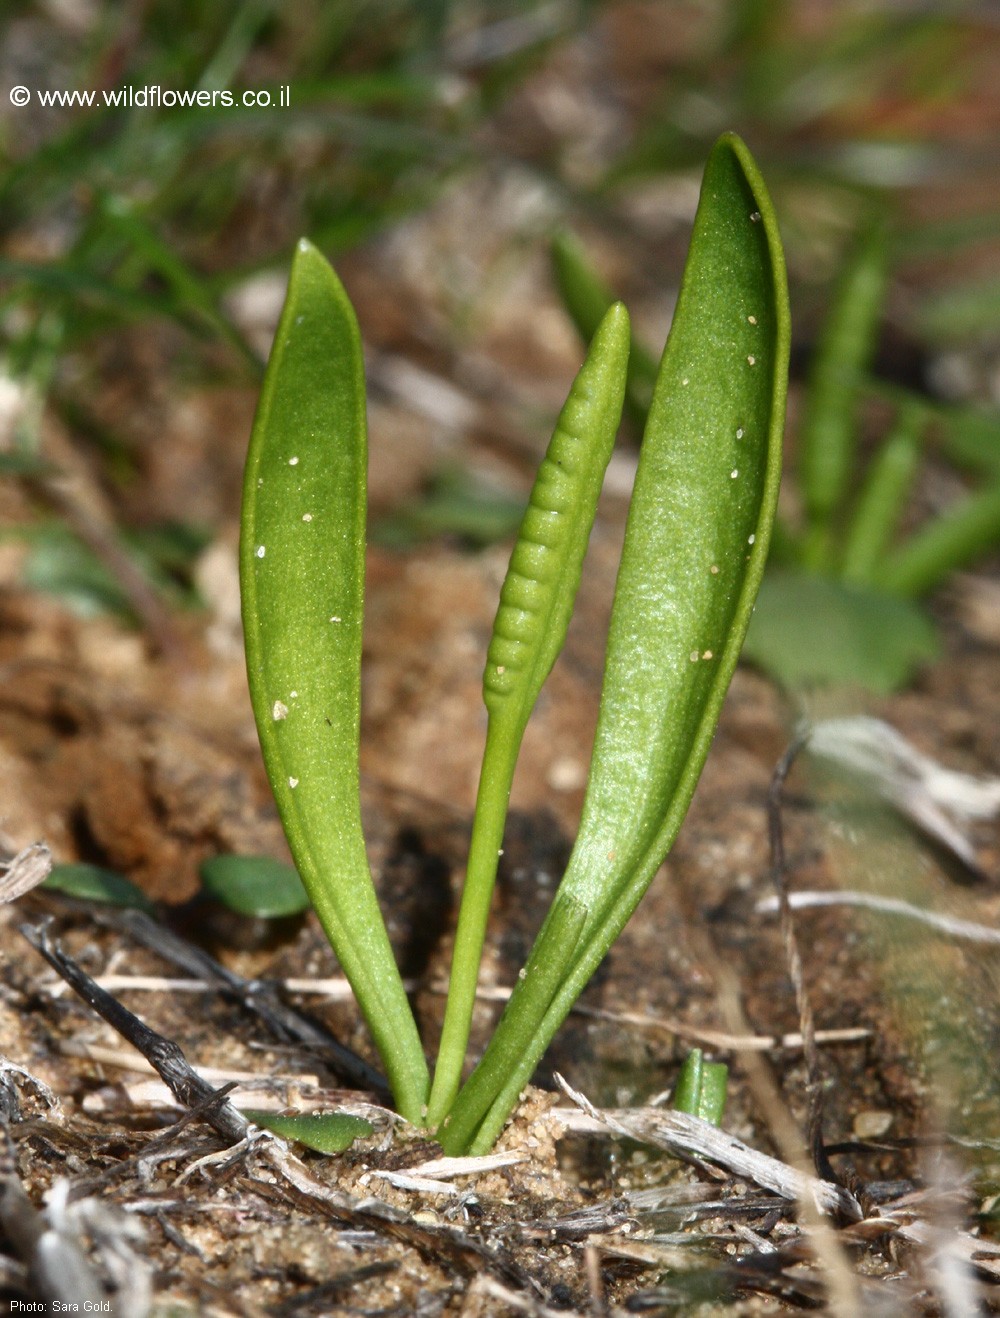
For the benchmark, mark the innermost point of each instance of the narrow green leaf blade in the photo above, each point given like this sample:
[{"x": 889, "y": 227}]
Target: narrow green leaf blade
[
  {"x": 829, "y": 437},
  {"x": 883, "y": 496},
  {"x": 963, "y": 533},
  {"x": 587, "y": 298},
  {"x": 302, "y": 586},
  {"x": 698, "y": 530},
  {"x": 701, "y": 1088},
  {"x": 695, "y": 548}
]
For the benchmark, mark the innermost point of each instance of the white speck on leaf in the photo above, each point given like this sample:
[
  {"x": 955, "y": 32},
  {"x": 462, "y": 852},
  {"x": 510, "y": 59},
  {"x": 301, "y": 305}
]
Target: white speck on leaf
[
  {"x": 335, "y": 618},
  {"x": 694, "y": 656},
  {"x": 752, "y": 360},
  {"x": 261, "y": 551},
  {"x": 714, "y": 569},
  {"x": 707, "y": 654},
  {"x": 293, "y": 462},
  {"x": 752, "y": 320},
  {"x": 685, "y": 380},
  {"x": 292, "y": 695},
  {"x": 293, "y": 782},
  {"x": 755, "y": 217},
  {"x": 739, "y": 433},
  {"x": 751, "y": 540},
  {"x": 307, "y": 517},
  {"x": 279, "y": 710},
  {"x": 734, "y": 473}
]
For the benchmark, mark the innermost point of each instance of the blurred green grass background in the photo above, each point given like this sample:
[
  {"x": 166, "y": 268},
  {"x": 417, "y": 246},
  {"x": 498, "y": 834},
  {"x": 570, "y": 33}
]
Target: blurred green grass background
[{"x": 117, "y": 223}]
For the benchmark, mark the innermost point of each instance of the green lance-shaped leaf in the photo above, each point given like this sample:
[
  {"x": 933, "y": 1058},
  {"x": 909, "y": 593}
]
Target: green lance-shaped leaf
[
  {"x": 694, "y": 553},
  {"x": 302, "y": 585},
  {"x": 536, "y": 603},
  {"x": 828, "y": 442}
]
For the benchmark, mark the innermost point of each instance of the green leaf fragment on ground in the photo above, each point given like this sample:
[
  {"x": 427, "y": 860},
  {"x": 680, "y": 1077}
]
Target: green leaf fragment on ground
[
  {"x": 325, "y": 1132},
  {"x": 92, "y": 883},
  {"x": 59, "y": 564}
]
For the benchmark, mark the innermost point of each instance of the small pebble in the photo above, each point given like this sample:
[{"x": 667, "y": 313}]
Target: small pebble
[{"x": 871, "y": 1125}]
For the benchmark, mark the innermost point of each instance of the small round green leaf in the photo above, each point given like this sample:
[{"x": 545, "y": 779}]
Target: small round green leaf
[
  {"x": 254, "y": 885},
  {"x": 91, "y": 883}
]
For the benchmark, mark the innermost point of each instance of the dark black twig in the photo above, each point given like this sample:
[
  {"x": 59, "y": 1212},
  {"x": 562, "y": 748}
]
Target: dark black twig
[
  {"x": 261, "y": 997},
  {"x": 320, "y": 1297},
  {"x": 807, "y": 1025},
  {"x": 162, "y": 1053}
]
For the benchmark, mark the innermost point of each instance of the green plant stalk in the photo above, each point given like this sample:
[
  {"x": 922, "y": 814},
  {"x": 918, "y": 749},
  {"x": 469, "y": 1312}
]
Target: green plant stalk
[
  {"x": 714, "y": 1091},
  {"x": 540, "y": 979},
  {"x": 829, "y": 429},
  {"x": 695, "y": 547},
  {"x": 536, "y": 603},
  {"x": 701, "y": 1088},
  {"x": 958, "y": 537},
  {"x": 883, "y": 497},
  {"x": 302, "y": 550},
  {"x": 586, "y": 297}
]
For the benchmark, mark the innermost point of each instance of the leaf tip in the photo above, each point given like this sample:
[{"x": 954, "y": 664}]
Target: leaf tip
[{"x": 615, "y": 330}]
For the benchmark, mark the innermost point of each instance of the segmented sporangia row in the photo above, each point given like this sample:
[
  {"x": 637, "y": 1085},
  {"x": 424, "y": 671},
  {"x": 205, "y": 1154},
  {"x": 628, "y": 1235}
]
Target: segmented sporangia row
[{"x": 536, "y": 603}]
